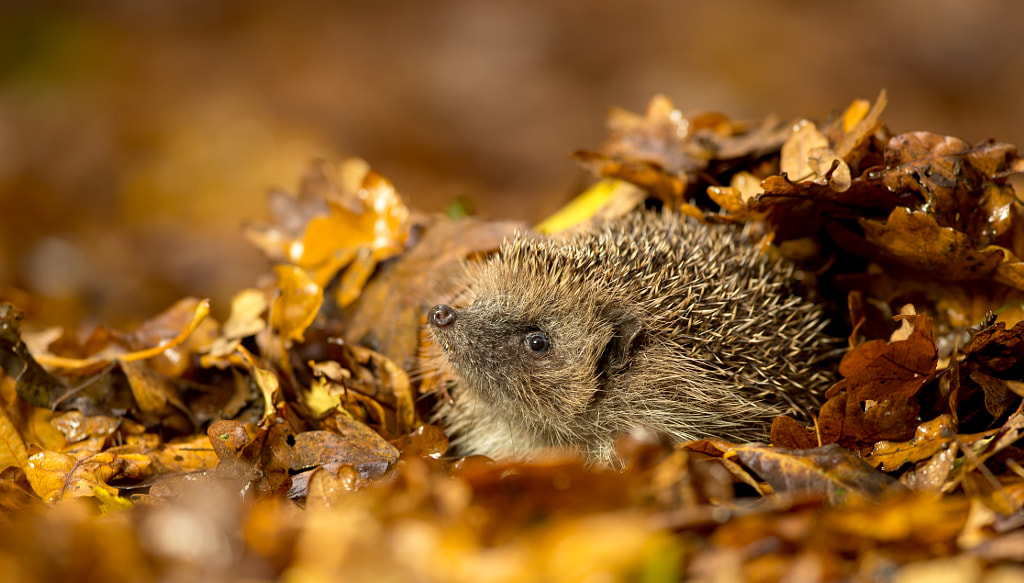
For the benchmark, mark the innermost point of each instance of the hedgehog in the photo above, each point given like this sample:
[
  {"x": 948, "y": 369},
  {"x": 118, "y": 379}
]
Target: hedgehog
[{"x": 652, "y": 322}]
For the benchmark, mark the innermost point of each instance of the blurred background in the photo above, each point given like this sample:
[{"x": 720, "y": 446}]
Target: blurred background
[{"x": 137, "y": 136}]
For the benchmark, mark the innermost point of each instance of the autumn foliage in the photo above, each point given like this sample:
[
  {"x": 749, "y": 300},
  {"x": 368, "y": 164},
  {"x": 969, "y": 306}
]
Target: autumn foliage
[{"x": 293, "y": 440}]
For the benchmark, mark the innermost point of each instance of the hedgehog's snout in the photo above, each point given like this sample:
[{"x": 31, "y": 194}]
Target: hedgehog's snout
[{"x": 441, "y": 316}]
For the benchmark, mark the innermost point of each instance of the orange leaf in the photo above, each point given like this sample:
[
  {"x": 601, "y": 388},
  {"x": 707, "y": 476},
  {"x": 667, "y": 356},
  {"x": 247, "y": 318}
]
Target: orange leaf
[
  {"x": 297, "y": 305},
  {"x": 788, "y": 433},
  {"x": 148, "y": 388},
  {"x": 929, "y": 438}
]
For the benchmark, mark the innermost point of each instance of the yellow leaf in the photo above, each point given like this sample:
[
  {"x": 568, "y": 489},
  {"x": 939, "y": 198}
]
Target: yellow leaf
[
  {"x": 331, "y": 239},
  {"x": 831, "y": 470},
  {"x": 298, "y": 303},
  {"x": 582, "y": 207},
  {"x": 52, "y": 476},
  {"x": 193, "y": 453},
  {"x": 56, "y": 476},
  {"x": 930, "y": 438},
  {"x": 268, "y": 384},
  {"x": 40, "y": 430},
  {"x": 110, "y": 502},
  {"x": 319, "y": 398},
  {"x": 743, "y": 187},
  {"x": 245, "y": 319},
  {"x": 147, "y": 387},
  {"x": 358, "y": 273},
  {"x": 202, "y": 310},
  {"x": 796, "y": 152},
  {"x": 12, "y": 448},
  {"x": 856, "y": 112},
  {"x": 860, "y": 121},
  {"x": 367, "y": 224}
]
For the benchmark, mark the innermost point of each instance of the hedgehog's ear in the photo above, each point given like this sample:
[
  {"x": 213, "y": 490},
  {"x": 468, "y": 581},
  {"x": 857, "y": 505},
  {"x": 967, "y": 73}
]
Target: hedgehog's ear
[{"x": 626, "y": 328}]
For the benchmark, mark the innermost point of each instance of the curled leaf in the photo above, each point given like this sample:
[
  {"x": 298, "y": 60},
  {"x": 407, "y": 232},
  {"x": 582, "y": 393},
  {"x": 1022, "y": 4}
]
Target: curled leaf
[{"x": 160, "y": 342}]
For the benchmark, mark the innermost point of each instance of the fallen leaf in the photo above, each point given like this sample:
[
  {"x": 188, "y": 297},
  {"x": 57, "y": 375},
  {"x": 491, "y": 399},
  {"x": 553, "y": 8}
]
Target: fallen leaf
[
  {"x": 34, "y": 384},
  {"x": 245, "y": 320},
  {"x": 878, "y": 370},
  {"x": 159, "y": 339},
  {"x": 424, "y": 441},
  {"x": 327, "y": 485},
  {"x": 604, "y": 201},
  {"x": 844, "y": 420},
  {"x": 355, "y": 445},
  {"x": 363, "y": 378},
  {"x": 860, "y": 121},
  {"x": 949, "y": 174},
  {"x": 151, "y": 390},
  {"x": 184, "y": 455},
  {"x": 12, "y": 448},
  {"x": 930, "y": 438},
  {"x": 75, "y": 426},
  {"x": 297, "y": 305},
  {"x": 998, "y": 397},
  {"x": 787, "y": 433},
  {"x": 832, "y": 471},
  {"x": 665, "y": 152},
  {"x": 994, "y": 345},
  {"x": 801, "y": 209},
  {"x": 258, "y": 458},
  {"x": 56, "y": 476},
  {"x": 915, "y": 239},
  {"x": 796, "y": 152},
  {"x": 934, "y": 474},
  {"x": 644, "y": 174},
  {"x": 658, "y": 137}
]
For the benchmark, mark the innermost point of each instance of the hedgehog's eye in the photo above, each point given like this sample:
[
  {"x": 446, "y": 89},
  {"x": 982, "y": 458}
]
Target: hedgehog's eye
[{"x": 538, "y": 342}]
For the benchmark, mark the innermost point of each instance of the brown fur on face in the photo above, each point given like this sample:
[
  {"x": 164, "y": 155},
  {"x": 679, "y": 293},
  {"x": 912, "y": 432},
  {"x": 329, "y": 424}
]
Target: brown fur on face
[{"x": 653, "y": 321}]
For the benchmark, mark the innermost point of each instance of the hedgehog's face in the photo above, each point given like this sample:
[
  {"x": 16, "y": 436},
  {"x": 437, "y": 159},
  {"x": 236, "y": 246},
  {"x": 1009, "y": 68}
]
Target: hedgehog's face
[{"x": 539, "y": 359}]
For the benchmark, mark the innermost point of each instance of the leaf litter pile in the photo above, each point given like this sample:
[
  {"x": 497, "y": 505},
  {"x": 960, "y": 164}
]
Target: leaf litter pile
[{"x": 293, "y": 440}]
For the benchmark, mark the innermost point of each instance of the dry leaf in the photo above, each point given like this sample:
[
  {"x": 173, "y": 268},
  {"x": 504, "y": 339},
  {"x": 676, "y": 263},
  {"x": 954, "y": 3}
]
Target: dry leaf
[
  {"x": 914, "y": 239},
  {"x": 56, "y": 476},
  {"x": 34, "y": 384},
  {"x": 878, "y": 370},
  {"x": 12, "y": 448},
  {"x": 832, "y": 471},
  {"x": 788, "y": 433},
  {"x": 929, "y": 439}
]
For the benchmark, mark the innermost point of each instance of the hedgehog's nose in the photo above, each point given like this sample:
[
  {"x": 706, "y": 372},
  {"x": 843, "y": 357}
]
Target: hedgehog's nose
[{"x": 441, "y": 316}]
